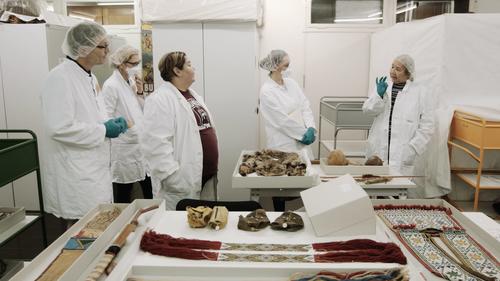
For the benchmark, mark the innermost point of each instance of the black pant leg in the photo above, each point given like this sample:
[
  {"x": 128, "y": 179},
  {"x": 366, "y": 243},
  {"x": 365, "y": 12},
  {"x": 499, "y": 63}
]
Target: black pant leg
[
  {"x": 147, "y": 188},
  {"x": 122, "y": 192}
]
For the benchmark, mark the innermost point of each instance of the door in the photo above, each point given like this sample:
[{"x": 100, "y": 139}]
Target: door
[
  {"x": 185, "y": 37},
  {"x": 231, "y": 92}
]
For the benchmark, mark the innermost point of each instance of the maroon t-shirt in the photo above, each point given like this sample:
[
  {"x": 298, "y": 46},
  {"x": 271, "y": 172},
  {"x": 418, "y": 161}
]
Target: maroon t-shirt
[{"x": 208, "y": 138}]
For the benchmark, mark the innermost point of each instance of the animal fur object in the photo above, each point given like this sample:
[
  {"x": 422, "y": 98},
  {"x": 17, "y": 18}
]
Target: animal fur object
[
  {"x": 270, "y": 162},
  {"x": 374, "y": 161},
  {"x": 337, "y": 158},
  {"x": 254, "y": 221}
]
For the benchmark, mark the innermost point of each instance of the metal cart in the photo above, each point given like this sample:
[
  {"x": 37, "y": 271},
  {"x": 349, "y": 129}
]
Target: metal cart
[
  {"x": 344, "y": 113},
  {"x": 18, "y": 158}
]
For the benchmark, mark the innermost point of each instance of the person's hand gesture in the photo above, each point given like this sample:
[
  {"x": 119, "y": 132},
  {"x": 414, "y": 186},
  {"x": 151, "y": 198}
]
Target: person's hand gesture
[{"x": 381, "y": 86}]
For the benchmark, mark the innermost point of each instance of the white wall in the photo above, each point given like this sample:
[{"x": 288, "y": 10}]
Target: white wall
[
  {"x": 326, "y": 61},
  {"x": 283, "y": 28},
  {"x": 484, "y": 6}
]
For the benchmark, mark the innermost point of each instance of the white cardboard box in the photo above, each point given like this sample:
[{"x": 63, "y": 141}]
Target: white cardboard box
[{"x": 343, "y": 210}]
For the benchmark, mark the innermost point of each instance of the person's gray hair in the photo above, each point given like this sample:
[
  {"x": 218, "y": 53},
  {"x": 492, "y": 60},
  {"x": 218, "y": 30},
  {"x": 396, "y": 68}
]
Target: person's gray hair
[
  {"x": 408, "y": 62},
  {"x": 122, "y": 55},
  {"x": 272, "y": 60},
  {"x": 82, "y": 39}
]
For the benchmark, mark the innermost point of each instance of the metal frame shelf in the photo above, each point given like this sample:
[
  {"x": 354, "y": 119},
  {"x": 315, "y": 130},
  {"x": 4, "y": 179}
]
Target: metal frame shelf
[{"x": 344, "y": 113}]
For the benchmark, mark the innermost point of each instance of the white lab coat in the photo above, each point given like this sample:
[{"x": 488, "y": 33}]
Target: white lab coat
[
  {"x": 76, "y": 162},
  {"x": 412, "y": 125},
  {"x": 172, "y": 145},
  {"x": 287, "y": 115},
  {"x": 120, "y": 99}
]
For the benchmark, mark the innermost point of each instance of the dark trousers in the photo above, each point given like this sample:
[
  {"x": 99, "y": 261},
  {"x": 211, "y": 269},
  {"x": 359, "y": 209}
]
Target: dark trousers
[
  {"x": 279, "y": 203},
  {"x": 123, "y": 191}
]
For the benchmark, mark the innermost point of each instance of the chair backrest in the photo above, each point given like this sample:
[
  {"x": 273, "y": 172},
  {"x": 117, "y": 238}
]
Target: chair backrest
[{"x": 242, "y": 206}]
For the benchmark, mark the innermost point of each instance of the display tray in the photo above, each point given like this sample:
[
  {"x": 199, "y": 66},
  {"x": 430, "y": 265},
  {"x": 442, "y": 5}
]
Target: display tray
[
  {"x": 145, "y": 266},
  {"x": 92, "y": 254},
  {"x": 345, "y": 111},
  {"x": 133, "y": 263},
  {"x": 255, "y": 181},
  {"x": 480, "y": 235},
  {"x": 355, "y": 170},
  {"x": 15, "y": 215}
]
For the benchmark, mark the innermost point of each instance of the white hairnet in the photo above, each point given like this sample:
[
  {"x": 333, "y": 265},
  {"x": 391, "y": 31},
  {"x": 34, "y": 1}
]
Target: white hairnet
[
  {"x": 408, "y": 63},
  {"x": 82, "y": 39},
  {"x": 271, "y": 61},
  {"x": 122, "y": 55}
]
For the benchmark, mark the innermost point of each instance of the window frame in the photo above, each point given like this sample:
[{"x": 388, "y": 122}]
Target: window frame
[{"x": 388, "y": 12}]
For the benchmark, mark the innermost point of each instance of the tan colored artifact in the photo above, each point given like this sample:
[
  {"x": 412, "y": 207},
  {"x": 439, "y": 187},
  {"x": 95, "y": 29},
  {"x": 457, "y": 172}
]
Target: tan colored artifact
[
  {"x": 198, "y": 217},
  {"x": 337, "y": 158},
  {"x": 218, "y": 220}
]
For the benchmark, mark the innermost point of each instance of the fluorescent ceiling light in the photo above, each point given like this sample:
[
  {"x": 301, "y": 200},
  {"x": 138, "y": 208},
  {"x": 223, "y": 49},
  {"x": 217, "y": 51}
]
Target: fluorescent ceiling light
[
  {"x": 406, "y": 9},
  {"x": 375, "y": 14},
  {"x": 114, "y": 3},
  {"x": 357, "y": 20}
]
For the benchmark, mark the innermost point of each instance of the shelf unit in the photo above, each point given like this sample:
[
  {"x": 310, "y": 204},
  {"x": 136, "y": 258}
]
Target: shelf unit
[
  {"x": 483, "y": 135},
  {"x": 343, "y": 113},
  {"x": 18, "y": 158}
]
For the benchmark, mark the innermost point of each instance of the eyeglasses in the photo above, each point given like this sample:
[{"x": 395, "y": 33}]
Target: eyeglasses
[
  {"x": 134, "y": 63},
  {"x": 103, "y": 47}
]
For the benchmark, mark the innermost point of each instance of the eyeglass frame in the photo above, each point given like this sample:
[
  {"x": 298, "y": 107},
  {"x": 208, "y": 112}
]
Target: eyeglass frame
[
  {"x": 133, "y": 63},
  {"x": 103, "y": 47}
]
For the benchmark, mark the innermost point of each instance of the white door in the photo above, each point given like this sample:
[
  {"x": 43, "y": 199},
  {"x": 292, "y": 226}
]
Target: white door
[
  {"x": 185, "y": 37},
  {"x": 27, "y": 70},
  {"x": 231, "y": 93},
  {"x": 6, "y": 198}
]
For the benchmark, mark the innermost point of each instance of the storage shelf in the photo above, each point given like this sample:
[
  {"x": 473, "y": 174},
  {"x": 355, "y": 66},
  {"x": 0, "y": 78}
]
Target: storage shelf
[
  {"x": 18, "y": 158},
  {"x": 352, "y": 148},
  {"x": 487, "y": 181},
  {"x": 482, "y": 134},
  {"x": 343, "y": 113},
  {"x": 28, "y": 220}
]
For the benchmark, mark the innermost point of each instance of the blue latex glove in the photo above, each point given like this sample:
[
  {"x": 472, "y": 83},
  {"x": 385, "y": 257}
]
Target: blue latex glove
[
  {"x": 113, "y": 129},
  {"x": 122, "y": 123},
  {"x": 381, "y": 86},
  {"x": 309, "y": 136}
]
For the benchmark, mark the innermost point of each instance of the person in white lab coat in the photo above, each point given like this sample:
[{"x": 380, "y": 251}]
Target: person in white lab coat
[
  {"x": 404, "y": 122},
  {"x": 123, "y": 96},
  {"x": 75, "y": 141},
  {"x": 288, "y": 118},
  {"x": 179, "y": 138}
]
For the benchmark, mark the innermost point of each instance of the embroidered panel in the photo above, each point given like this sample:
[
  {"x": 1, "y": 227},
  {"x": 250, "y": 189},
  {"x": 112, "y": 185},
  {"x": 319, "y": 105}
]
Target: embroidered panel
[
  {"x": 434, "y": 258},
  {"x": 396, "y": 274},
  {"x": 418, "y": 219},
  {"x": 470, "y": 253},
  {"x": 240, "y": 257},
  {"x": 266, "y": 247}
]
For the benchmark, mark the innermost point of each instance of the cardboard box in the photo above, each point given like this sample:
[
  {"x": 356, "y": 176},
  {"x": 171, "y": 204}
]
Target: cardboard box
[{"x": 344, "y": 210}]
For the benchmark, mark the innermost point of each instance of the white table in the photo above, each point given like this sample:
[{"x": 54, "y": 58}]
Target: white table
[
  {"x": 144, "y": 265},
  {"x": 395, "y": 187},
  {"x": 484, "y": 222}
]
